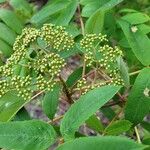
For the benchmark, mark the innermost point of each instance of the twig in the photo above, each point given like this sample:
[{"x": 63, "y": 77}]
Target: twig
[
  {"x": 81, "y": 21},
  {"x": 134, "y": 73},
  {"x": 83, "y": 33},
  {"x": 137, "y": 134},
  {"x": 37, "y": 95},
  {"x": 55, "y": 119},
  {"x": 66, "y": 90}
]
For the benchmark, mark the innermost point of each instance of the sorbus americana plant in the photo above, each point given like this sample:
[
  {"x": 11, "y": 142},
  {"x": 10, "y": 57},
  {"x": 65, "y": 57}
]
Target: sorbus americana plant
[{"x": 88, "y": 65}]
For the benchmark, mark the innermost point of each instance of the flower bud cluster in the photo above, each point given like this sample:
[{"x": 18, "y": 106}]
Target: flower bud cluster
[
  {"x": 50, "y": 63},
  {"x": 4, "y": 87},
  {"x": 42, "y": 66},
  {"x": 22, "y": 85},
  {"x": 97, "y": 51},
  {"x": 84, "y": 86},
  {"x": 44, "y": 84},
  {"x": 56, "y": 37}
]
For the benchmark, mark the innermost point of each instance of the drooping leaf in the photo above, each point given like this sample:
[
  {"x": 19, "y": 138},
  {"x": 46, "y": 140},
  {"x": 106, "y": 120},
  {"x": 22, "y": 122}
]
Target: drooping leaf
[
  {"x": 25, "y": 135},
  {"x": 138, "y": 41},
  {"x": 108, "y": 112},
  {"x": 10, "y": 104},
  {"x": 61, "y": 18},
  {"x": 22, "y": 8},
  {"x": 50, "y": 101},
  {"x": 123, "y": 71},
  {"x": 102, "y": 143},
  {"x": 145, "y": 125},
  {"x": 5, "y": 48},
  {"x": 44, "y": 14},
  {"x": 73, "y": 30},
  {"x": 138, "y": 103},
  {"x": 75, "y": 76},
  {"x": 95, "y": 23},
  {"x": 22, "y": 115},
  {"x": 94, "y": 123},
  {"x": 136, "y": 18},
  {"x": 144, "y": 28},
  {"x": 118, "y": 127},
  {"x": 7, "y": 34},
  {"x": 90, "y": 8},
  {"x": 9, "y": 18},
  {"x": 85, "y": 107},
  {"x": 65, "y": 54}
]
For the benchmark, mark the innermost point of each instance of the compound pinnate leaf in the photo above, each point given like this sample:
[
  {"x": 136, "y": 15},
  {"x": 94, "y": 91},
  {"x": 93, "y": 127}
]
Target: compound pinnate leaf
[
  {"x": 102, "y": 143},
  {"x": 85, "y": 107},
  {"x": 25, "y": 135},
  {"x": 138, "y": 103}
]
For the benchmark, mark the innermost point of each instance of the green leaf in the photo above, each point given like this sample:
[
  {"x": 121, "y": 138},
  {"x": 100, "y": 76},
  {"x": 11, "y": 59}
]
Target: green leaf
[
  {"x": 22, "y": 115},
  {"x": 22, "y": 8},
  {"x": 75, "y": 50},
  {"x": 61, "y": 18},
  {"x": 9, "y": 18},
  {"x": 5, "y": 49},
  {"x": 138, "y": 103},
  {"x": 85, "y": 2},
  {"x": 136, "y": 18},
  {"x": 102, "y": 143},
  {"x": 90, "y": 8},
  {"x": 145, "y": 125},
  {"x": 76, "y": 75},
  {"x": 10, "y": 104},
  {"x": 73, "y": 30},
  {"x": 7, "y": 34},
  {"x": 85, "y": 107},
  {"x": 25, "y": 135},
  {"x": 2, "y": 1},
  {"x": 95, "y": 23},
  {"x": 144, "y": 28},
  {"x": 138, "y": 41},
  {"x": 118, "y": 127},
  {"x": 44, "y": 14},
  {"x": 50, "y": 101},
  {"x": 123, "y": 71},
  {"x": 94, "y": 123},
  {"x": 108, "y": 112}
]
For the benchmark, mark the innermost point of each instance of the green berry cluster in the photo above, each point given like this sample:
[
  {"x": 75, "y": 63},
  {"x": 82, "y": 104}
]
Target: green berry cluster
[
  {"x": 99, "y": 53},
  {"x": 22, "y": 85},
  {"x": 39, "y": 66},
  {"x": 43, "y": 83},
  {"x": 56, "y": 37},
  {"x": 84, "y": 86},
  {"x": 49, "y": 63}
]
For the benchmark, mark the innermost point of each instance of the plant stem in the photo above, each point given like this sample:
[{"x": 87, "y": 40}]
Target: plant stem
[
  {"x": 37, "y": 95},
  {"x": 134, "y": 73},
  {"x": 55, "y": 119},
  {"x": 137, "y": 134},
  {"x": 81, "y": 20},
  {"x": 66, "y": 90},
  {"x": 83, "y": 33}
]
